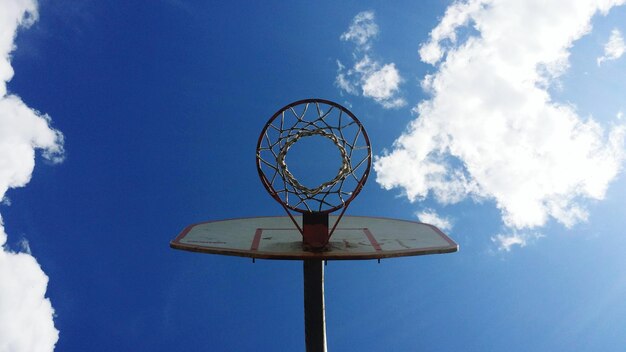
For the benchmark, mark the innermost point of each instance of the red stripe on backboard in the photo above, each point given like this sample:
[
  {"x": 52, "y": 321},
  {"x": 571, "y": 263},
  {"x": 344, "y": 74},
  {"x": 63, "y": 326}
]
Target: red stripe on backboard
[
  {"x": 256, "y": 240},
  {"x": 373, "y": 241}
]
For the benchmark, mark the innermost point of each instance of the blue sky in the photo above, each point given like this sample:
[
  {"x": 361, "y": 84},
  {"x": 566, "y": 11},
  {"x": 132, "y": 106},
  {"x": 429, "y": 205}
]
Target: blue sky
[{"x": 123, "y": 122}]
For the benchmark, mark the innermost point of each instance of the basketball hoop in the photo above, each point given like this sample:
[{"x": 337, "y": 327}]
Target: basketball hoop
[{"x": 303, "y": 119}]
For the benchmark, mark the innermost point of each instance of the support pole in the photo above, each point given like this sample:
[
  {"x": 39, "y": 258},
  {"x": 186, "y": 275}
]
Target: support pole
[{"x": 314, "y": 309}]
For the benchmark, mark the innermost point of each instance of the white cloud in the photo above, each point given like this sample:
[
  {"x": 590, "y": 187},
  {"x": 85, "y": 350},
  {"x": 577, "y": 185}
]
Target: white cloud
[
  {"x": 26, "y": 322},
  {"x": 343, "y": 81},
  {"x": 505, "y": 242},
  {"x": 382, "y": 85},
  {"x": 456, "y": 15},
  {"x": 491, "y": 129},
  {"x": 14, "y": 13},
  {"x": 26, "y": 315},
  {"x": 369, "y": 77},
  {"x": 362, "y": 30},
  {"x": 614, "y": 48},
  {"x": 430, "y": 216}
]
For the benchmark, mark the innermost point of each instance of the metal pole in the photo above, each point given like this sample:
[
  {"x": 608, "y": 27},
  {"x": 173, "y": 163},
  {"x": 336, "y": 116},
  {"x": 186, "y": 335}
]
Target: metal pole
[{"x": 314, "y": 309}]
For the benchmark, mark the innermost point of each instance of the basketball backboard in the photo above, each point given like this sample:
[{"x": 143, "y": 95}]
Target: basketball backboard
[{"x": 356, "y": 237}]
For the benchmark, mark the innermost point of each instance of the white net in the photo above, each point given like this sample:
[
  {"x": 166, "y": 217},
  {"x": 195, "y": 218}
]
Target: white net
[{"x": 308, "y": 118}]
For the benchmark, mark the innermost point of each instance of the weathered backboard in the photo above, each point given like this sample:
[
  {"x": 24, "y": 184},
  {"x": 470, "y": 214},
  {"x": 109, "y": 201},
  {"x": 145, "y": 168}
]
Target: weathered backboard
[{"x": 355, "y": 237}]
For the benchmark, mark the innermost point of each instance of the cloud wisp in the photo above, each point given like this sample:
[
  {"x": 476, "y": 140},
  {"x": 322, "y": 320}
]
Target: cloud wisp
[
  {"x": 505, "y": 242},
  {"x": 430, "y": 216},
  {"x": 614, "y": 48},
  {"x": 491, "y": 130},
  {"x": 368, "y": 77},
  {"x": 362, "y": 30},
  {"x": 26, "y": 315}
]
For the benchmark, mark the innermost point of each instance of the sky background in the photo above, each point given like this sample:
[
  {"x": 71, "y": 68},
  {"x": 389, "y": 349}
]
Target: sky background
[{"x": 499, "y": 121}]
